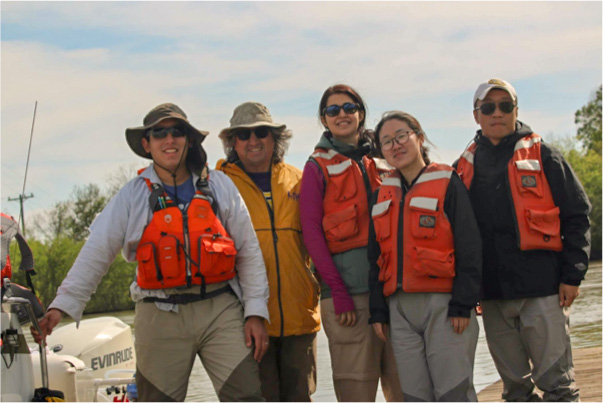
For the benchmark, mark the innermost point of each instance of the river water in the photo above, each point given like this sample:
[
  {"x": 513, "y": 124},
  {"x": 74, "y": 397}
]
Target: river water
[{"x": 585, "y": 332}]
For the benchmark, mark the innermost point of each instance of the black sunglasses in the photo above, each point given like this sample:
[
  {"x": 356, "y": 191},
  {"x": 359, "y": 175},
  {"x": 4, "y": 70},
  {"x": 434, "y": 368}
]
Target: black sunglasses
[
  {"x": 333, "y": 110},
  {"x": 245, "y": 134},
  {"x": 489, "y": 107},
  {"x": 160, "y": 133}
]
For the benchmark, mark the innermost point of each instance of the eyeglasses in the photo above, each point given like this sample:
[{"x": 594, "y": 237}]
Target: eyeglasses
[
  {"x": 401, "y": 138},
  {"x": 489, "y": 107},
  {"x": 245, "y": 134},
  {"x": 333, "y": 110},
  {"x": 160, "y": 133}
]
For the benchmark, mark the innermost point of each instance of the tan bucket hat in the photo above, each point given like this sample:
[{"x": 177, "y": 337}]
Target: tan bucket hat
[
  {"x": 161, "y": 112},
  {"x": 249, "y": 115}
]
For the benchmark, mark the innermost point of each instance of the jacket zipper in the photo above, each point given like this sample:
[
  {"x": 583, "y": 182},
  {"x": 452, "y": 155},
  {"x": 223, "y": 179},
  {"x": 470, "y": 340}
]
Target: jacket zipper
[
  {"x": 186, "y": 248},
  {"x": 367, "y": 182},
  {"x": 278, "y": 269},
  {"x": 400, "y": 245}
]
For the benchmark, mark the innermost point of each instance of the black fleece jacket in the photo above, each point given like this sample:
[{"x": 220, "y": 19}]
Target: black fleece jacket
[
  {"x": 508, "y": 272},
  {"x": 467, "y": 248}
]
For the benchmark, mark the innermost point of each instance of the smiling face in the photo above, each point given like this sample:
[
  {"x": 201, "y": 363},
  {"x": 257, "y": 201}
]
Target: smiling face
[
  {"x": 344, "y": 127},
  {"x": 170, "y": 152},
  {"x": 255, "y": 154},
  {"x": 498, "y": 125},
  {"x": 404, "y": 157}
]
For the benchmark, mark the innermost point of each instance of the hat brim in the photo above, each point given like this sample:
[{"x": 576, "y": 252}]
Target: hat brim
[
  {"x": 485, "y": 92},
  {"x": 134, "y": 135},
  {"x": 225, "y": 132}
]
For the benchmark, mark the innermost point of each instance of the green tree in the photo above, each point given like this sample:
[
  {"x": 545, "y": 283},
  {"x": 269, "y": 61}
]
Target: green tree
[
  {"x": 86, "y": 203},
  {"x": 586, "y": 162},
  {"x": 588, "y": 119}
]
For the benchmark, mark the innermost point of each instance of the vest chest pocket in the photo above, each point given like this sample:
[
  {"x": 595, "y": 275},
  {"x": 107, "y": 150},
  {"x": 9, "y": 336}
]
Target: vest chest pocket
[
  {"x": 423, "y": 217},
  {"x": 528, "y": 177},
  {"x": 216, "y": 254},
  {"x": 168, "y": 249},
  {"x": 341, "y": 225},
  {"x": 341, "y": 177},
  {"x": 544, "y": 222},
  {"x": 148, "y": 268},
  {"x": 380, "y": 214},
  {"x": 433, "y": 263},
  {"x": 385, "y": 272}
]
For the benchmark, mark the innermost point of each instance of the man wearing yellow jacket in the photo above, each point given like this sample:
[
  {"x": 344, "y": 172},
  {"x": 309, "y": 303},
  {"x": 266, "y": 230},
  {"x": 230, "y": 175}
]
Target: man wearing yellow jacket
[{"x": 254, "y": 147}]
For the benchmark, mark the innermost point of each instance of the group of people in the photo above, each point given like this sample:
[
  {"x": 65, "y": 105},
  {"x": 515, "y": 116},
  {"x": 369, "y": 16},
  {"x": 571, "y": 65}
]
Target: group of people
[{"x": 232, "y": 262}]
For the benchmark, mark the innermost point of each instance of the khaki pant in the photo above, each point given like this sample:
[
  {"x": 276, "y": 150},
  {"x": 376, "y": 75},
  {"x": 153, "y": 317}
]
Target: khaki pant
[
  {"x": 288, "y": 369},
  {"x": 530, "y": 343},
  {"x": 167, "y": 342},
  {"x": 434, "y": 363},
  {"x": 358, "y": 357}
]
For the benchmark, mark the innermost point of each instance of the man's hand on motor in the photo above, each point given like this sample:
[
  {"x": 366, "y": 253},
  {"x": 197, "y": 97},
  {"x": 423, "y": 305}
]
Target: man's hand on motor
[{"x": 51, "y": 318}]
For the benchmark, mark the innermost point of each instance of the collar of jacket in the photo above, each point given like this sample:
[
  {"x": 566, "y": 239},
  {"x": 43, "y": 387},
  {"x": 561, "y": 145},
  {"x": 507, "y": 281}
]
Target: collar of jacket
[
  {"x": 521, "y": 130},
  {"x": 356, "y": 153}
]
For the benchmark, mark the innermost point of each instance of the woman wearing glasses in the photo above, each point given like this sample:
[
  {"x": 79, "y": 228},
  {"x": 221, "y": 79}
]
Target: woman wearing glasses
[
  {"x": 336, "y": 185},
  {"x": 425, "y": 254}
]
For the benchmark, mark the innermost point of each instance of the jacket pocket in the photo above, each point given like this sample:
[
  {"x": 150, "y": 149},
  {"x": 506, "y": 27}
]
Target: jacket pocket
[
  {"x": 148, "y": 269},
  {"x": 544, "y": 222},
  {"x": 217, "y": 255},
  {"x": 341, "y": 225},
  {"x": 341, "y": 177},
  {"x": 433, "y": 263},
  {"x": 169, "y": 256},
  {"x": 385, "y": 272},
  {"x": 423, "y": 211},
  {"x": 529, "y": 177}
]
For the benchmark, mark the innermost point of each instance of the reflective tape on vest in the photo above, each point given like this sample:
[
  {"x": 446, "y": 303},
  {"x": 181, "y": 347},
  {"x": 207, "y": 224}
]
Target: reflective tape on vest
[
  {"x": 527, "y": 143},
  {"x": 469, "y": 156},
  {"x": 392, "y": 181},
  {"x": 528, "y": 165},
  {"x": 380, "y": 208},
  {"x": 328, "y": 155},
  {"x": 426, "y": 203},
  {"x": 430, "y": 176},
  {"x": 339, "y": 168}
]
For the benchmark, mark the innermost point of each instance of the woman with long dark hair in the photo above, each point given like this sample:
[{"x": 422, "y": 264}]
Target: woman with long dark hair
[{"x": 336, "y": 185}]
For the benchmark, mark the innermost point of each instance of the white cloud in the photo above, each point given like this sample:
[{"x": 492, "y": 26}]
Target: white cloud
[{"x": 98, "y": 67}]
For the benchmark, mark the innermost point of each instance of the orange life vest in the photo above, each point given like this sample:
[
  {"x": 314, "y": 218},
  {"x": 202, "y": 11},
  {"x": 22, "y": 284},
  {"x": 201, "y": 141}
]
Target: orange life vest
[
  {"x": 536, "y": 215},
  {"x": 345, "y": 222},
  {"x": 183, "y": 248},
  {"x": 428, "y": 262}
]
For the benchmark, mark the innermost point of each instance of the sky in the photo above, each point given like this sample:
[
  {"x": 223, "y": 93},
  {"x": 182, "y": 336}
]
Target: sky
[{"x": 96, "y": 68}]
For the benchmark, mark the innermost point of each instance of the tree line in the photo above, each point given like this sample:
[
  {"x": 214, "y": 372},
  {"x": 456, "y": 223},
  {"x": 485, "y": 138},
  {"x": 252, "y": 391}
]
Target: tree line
[{"x": 59, "y": 235}]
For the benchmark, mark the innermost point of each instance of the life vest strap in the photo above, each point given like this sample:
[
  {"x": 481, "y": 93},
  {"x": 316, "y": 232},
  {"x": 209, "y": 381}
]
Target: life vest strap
[{"x": 183, "y": 299}]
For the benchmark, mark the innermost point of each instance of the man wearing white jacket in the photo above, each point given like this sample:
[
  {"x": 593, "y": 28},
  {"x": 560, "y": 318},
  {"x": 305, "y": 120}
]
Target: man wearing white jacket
[{"x": 201, "y": 286}]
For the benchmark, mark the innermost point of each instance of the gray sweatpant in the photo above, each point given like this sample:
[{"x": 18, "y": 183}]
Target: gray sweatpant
[
  {"x": 434, "y": 363},
  {"x": 530, "y": 343}
]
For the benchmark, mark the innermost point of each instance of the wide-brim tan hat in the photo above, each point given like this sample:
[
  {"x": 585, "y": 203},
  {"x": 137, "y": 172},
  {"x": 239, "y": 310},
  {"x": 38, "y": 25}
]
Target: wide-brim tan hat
[
  {"x": 250, "y": 115},
  {"x": 161, "y": 112}
]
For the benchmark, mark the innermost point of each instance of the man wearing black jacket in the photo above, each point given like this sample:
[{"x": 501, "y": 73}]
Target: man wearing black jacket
[{"x": 532, "y": 213}]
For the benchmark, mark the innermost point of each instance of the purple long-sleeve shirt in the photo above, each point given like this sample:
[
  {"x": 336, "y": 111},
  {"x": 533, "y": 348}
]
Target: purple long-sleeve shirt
[{"x": 311, "y": 213}]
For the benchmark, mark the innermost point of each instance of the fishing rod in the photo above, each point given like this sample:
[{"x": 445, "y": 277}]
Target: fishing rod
[{"x": 22, "y": 196}]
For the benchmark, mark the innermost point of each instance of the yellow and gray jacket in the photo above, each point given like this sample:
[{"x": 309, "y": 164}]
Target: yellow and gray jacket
[{"x": 294, "y": 291}]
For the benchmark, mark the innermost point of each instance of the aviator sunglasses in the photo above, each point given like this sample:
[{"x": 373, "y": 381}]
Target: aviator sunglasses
[
  {"x": 489, "y": 107},
  {"x": 160, "y": 133},
  {"x": 333, "y": 110},
  {"x": 245, "y": 134}
]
